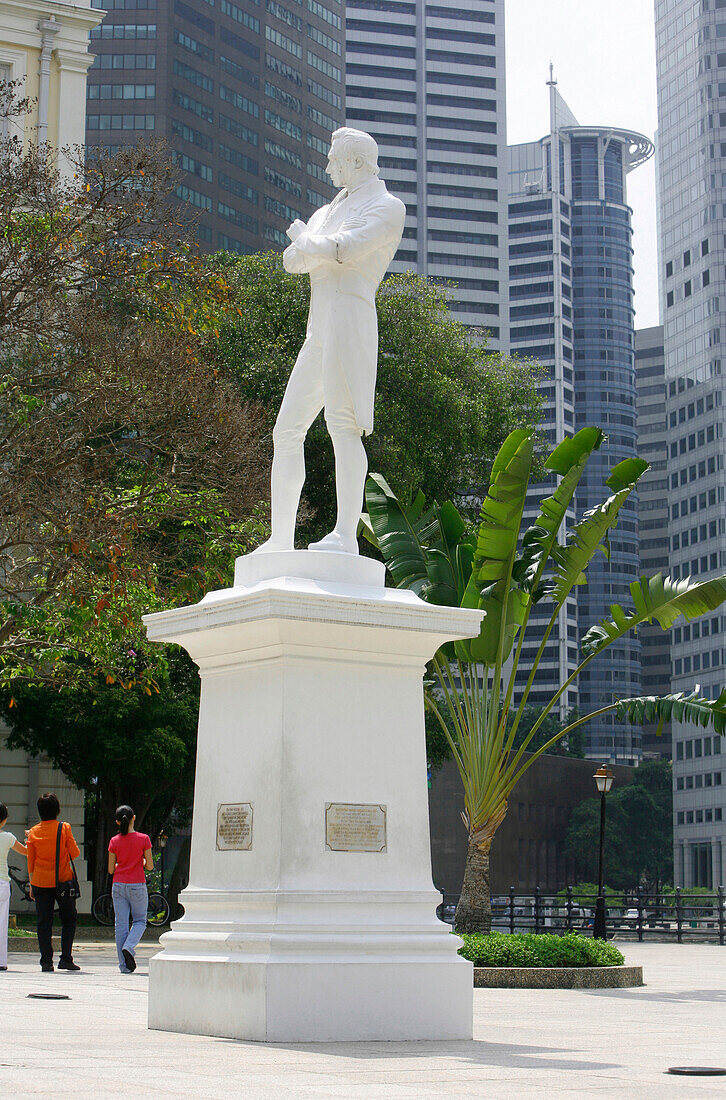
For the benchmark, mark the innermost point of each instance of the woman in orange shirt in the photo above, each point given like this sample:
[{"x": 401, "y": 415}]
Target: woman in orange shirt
[{"x": 41, "y": 842}]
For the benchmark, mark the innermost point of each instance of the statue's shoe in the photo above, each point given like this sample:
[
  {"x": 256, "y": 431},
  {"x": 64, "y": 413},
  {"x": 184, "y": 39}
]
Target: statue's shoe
[
  {"x": 335, "y": 543},
  {"x": 273, "y": 547}
]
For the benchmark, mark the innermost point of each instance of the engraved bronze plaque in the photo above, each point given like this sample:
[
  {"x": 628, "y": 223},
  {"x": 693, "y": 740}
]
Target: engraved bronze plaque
[
  {"x": 355, "y": 827},
  {"x": 234, "y": 826}
]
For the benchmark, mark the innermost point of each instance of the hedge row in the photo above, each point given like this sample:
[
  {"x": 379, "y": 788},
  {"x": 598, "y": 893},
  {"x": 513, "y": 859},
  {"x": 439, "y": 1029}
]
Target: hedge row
[{"x": 517, "y": 949}]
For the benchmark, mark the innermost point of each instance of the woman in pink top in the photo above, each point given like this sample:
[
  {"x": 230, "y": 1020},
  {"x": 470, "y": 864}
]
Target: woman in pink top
[{"x": 129, "y": 857}]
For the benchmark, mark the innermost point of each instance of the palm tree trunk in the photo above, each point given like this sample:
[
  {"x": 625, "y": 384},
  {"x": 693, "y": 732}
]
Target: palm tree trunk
[{"x": 474, "y": 911}]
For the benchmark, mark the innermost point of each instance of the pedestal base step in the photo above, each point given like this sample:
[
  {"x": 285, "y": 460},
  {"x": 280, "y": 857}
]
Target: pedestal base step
[{"x": 317, "y": 1001}]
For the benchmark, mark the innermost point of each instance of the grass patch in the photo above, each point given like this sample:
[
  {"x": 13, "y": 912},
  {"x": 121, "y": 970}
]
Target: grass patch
[
  {"x": 528, "y": 949},
  {"x": 19, "y": 933}
]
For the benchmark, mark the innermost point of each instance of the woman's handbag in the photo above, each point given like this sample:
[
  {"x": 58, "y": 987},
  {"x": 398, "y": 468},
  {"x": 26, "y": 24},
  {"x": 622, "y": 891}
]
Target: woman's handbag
[{"x": 71, "y": 889}]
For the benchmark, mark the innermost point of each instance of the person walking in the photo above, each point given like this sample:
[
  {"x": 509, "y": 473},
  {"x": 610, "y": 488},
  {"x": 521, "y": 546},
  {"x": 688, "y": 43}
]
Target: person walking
[
  {"x": 129, "y": 857},
  {"x": 8, "y": 843},
  {"x": 51, "y": 848}
]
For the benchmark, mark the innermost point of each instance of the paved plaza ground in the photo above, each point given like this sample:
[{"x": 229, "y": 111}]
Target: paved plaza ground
[{"x": 526, "y": 1043}]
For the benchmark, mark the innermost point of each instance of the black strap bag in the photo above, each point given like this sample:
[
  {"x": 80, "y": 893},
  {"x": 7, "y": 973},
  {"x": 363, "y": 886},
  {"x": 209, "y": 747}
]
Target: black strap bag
[{"x": 71, "y": 889}]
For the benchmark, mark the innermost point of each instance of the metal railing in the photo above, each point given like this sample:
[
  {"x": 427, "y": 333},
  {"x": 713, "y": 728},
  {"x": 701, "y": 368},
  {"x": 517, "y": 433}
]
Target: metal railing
[{"x": 660, "y": 915}]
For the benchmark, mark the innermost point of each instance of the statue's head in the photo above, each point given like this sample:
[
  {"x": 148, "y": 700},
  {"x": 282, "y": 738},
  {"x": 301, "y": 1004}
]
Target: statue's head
[{"x": 353, "y": 157}]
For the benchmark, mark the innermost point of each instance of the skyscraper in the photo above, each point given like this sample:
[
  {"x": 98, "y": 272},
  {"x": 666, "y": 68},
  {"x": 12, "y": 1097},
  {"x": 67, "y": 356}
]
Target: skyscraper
[
  {"x": 427, "y": 81},
  {"x": 655, "y": 645},
  {"x": 245, "y": 93},
  {"x": 571, "y": 307},
  {"x": 691, "y": 72}
]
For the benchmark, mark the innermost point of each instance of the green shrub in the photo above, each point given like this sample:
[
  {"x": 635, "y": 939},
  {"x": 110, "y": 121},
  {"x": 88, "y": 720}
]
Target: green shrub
[{"x": 503, "y": 949}]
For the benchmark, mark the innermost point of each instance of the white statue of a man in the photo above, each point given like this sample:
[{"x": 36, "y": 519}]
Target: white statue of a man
[{"x": 345, "y": 248}]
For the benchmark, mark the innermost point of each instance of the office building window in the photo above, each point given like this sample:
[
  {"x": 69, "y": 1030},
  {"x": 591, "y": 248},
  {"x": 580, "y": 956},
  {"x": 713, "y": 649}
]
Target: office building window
[
  {"x": 121, "y": 91},
  {"x": 237, "y": 187},
  {"x": 120, "y": 122},
  {"x": 324, "y": 93},
  {"x": 232, "y": 126},
  {"x": 124, "y": 61},
  {"x": 238, "y": 217},
  {"x": 233, "y": 156},
  {"x": 186, "y": 72},
  {"x": 196, "y": 198},
  {"x": 187, "y": 103},
  {"x": 283, "y": 69},
  {"x": 239, "y": 15},
  {"x": 239, "y": 101},
  {"x": 239, "y": 72},
  {"x": 284, "y": 125},
  {"x": 323, "y": 66},
  {"x": 284, "y": 42},
  {"x": 138, "y": 31},
  {"x": 282, "y": 153},
  {"x": 279, "y": 179}
]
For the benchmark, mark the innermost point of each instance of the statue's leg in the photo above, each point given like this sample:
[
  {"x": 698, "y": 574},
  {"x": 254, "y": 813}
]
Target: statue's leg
[
  {"x": 351, "y": 467},
  {"x": 302, "y": 402}
]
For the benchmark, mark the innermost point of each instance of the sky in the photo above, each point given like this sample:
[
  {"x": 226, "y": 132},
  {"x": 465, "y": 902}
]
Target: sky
[{"x": 604, "y": 62}]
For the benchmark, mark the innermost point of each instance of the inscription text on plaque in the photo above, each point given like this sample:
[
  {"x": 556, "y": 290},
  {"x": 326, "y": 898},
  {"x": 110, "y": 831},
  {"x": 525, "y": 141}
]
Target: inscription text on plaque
[
  {"x": 355, "y": 827},
  {"x": 234, "y": 826}
]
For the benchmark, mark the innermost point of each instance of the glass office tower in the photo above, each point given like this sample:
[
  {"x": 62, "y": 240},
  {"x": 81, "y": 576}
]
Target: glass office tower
[
  {"x": 691, "y": 72},
  {"x": 571, "y": 307},
  {"x": 427, "y": 81},
  {"x": 655, "y": 644},
  {"x": 246, "y": 94}
]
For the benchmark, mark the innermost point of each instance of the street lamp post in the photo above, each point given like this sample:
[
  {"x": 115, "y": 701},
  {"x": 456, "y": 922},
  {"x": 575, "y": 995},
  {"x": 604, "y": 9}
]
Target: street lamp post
[{"x": 604, "y": 780}]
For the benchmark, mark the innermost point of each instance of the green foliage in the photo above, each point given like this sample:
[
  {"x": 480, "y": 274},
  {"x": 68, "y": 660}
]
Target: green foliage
[
  {"x": 680, "y": 707},
  {"x": 529, "y": 949},
  {"x": 444, "y": 404},
  {"x": 638, "y": 830},
  {"x": 126, "y": 455},
  {"x": 657, "y": 598},
  {"x": 119, "y": 743},
  {"x": 136, "y": 743},
  {"x": 472, "y": 684},
  {"x": 490, "y": 584}
]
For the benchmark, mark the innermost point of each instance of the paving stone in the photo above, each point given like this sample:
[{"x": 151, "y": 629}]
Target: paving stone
[{"x": 527, "y": 1042}]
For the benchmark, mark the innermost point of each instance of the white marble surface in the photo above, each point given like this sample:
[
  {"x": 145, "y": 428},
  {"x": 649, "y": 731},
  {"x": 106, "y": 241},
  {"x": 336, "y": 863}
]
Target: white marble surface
[
  {"x": 311, "y": 694},
  {"x": 346, "y": 569},
  {"x": 345, "y": 249}
]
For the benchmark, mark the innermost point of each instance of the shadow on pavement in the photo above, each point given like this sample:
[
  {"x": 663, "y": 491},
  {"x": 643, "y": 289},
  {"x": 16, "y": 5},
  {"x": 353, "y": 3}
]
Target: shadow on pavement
[
  {"x": 474, "y": 1051},
  {"x": 713, "y": 995}
]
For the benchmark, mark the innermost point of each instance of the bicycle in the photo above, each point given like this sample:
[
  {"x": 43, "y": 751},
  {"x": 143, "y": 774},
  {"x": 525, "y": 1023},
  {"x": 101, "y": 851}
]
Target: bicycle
[
  {"x": 157, "y": 913},
  {"x": 23, "y": 884}
]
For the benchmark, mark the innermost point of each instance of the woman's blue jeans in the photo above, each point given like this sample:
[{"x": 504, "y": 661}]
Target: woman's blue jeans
[{"x": 130, "y": 905}]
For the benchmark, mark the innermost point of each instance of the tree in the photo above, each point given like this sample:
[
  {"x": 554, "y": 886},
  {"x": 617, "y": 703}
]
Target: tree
[
  {"x": 638, "y": 831},
  {"x": 438, "y": 745},
  {"x": 131, "y": 473},
  {"x": 116, "y": 427},
  {"x": 118, "y": 744},
  {"x": 443, "y": 403},
  {"x": 503, "y": 572}
]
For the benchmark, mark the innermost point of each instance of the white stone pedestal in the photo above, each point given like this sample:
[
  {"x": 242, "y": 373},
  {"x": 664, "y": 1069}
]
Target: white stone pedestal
[{"x": 311, "y": 698}]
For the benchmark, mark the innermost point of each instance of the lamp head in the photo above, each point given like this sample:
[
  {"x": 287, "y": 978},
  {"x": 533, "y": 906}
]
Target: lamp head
[{"x": 603, "y": 779}]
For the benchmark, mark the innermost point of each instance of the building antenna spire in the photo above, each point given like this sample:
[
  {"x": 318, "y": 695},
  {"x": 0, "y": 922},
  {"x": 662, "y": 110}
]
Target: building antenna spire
[{"x": 552, "y": 80}]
